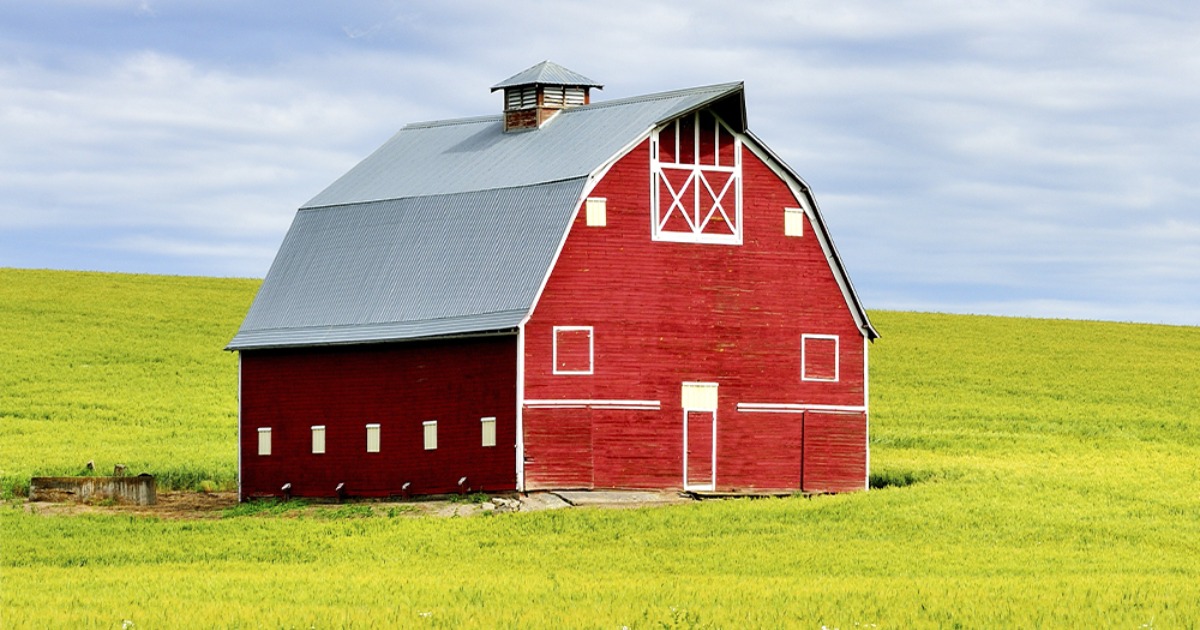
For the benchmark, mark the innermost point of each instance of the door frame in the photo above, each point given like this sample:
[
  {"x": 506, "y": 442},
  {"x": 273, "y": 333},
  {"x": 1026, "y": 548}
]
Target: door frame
[{"x": 712, "y": 483}]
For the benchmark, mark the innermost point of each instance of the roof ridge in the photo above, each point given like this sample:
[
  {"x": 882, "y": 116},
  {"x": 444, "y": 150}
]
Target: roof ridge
[
  {"x": 659, "y": 96},
  {"x": 641, "y": 98},
  {"x": 450, "y": 122}
]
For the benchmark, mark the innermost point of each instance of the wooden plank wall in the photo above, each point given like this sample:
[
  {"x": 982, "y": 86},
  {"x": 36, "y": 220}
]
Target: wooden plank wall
[
  {"x": 664, "y": 313},
  {"x": 398, "y": 386}
]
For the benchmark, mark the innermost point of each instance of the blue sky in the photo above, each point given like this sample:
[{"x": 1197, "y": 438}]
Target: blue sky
[{"x": 1011, "y": 158}]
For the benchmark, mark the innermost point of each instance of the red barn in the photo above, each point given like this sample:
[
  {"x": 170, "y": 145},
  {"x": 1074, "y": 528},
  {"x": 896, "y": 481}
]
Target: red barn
[{"x": 634, "y": 293}]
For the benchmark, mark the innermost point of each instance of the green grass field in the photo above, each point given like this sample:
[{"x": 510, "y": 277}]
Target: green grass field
[
  {"x": 1036, "y": 473},
  {"x": 118, "y": 369}
]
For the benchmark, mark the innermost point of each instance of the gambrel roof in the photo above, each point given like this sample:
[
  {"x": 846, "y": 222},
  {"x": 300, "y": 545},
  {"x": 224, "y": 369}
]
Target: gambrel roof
[{"x": 451, "y": 227}]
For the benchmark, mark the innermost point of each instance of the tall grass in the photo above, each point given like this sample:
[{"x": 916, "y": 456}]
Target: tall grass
[
  {"x": 118, "y": 369},
  {"x": 1027, "y": 473}
]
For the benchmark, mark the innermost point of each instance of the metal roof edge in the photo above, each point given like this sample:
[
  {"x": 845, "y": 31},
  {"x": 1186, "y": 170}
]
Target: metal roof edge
[
  {"x": 383, "y": 332},
  {"x": 475, "y": 191},
  {"x": 547, "y": 73},
  {"x": 859, "y": 310},
  {"x": 499, "y": 332}
]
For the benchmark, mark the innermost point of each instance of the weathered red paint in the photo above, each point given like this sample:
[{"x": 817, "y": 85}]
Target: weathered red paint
[
  {"x": 832, "y": 456},
  {"x": 637, "y": 318},
  {"x": 398, "y": 386},
  {"x": 664, "y": 313},
  {"x": 700, "y": 430}
]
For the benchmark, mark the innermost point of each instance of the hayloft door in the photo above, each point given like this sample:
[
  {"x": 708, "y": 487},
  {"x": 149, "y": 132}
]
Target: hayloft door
[{"x": 699, "y": 436}]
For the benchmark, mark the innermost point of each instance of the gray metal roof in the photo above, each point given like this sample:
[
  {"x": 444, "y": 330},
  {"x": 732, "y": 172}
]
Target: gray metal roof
[
  {"x": 448, "y": 228},
  {"x": 451, "y": 227},
  {"x": 546, "y": 73},
  {"x": 407, "y": 268},
  {"x": 476, "y": 154}
]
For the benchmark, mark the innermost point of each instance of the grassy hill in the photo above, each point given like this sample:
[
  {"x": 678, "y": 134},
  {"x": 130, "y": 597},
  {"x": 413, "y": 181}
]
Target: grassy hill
[
  {"x": 118, "y": 369},
  {"x": 1031, "y": 473}
]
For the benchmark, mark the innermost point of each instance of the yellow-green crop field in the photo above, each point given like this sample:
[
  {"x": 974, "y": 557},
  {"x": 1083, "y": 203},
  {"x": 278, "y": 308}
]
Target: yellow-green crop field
[{"x": 1031, "y": 473}]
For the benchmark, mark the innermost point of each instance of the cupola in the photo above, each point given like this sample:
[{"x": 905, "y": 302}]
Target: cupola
[{"x": 532, "y": 96}]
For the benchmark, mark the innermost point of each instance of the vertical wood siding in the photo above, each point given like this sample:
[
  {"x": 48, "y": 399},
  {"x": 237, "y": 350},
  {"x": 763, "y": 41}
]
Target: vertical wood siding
[
  {"x": 664, "y": 313},
  {"x": 397, "y": 386}
]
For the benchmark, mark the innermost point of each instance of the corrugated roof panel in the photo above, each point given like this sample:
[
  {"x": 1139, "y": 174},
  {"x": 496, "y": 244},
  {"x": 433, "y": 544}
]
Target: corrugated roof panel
[
  {"x": 401, "y": 268},
  {"x": 476, "y": 154}
]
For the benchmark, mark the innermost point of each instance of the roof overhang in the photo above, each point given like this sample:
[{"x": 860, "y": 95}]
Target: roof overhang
[{"x": 729, "y": 105}]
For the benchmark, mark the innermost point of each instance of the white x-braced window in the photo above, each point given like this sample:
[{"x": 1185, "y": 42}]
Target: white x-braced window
[{"x": 696, "y": 181}]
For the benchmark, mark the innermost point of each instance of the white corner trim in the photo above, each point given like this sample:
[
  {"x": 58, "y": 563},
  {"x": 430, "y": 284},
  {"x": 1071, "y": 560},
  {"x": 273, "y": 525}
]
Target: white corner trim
[
  {"x": 241, "y": 419},
  {"x": 867, "y": 411},
  {"x": 520, "y": 428}
]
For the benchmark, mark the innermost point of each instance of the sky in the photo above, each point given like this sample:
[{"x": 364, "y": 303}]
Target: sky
[{"x": 1030, "y": 159}]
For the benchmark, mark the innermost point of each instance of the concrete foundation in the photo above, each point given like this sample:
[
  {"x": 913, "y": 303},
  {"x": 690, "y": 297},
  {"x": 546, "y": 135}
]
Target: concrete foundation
[{"x": 139, "y": 490}]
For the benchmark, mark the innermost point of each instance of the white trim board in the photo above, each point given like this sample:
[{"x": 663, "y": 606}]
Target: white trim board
[
  {"x": 757, "y": 407},
  {"x": 578, "y": 403}
]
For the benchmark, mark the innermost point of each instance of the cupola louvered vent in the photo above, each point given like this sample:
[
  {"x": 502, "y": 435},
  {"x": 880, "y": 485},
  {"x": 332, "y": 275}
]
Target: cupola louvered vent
[
  {"x": 533, "y": 96},
  {"x": 520, "y": 98}
]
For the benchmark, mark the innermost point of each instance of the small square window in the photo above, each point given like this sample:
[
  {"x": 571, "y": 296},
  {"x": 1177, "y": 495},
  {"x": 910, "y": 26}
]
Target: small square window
[
  {"x": 597, "y": 213},
  {"x": 264, "y": 440},
  {"x": 372, "y": 438},
  {"x": 573, "y": 350},
  {"x": 488, "y": 428},
  {"x": 318, "y": 439},
  {"x": 819, "y": 358},
  {"x": 793, "y": 222},
  {"x": 430, "y": 435}
]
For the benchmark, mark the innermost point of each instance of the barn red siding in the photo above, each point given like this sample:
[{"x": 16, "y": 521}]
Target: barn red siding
[
  {"x": 663, "y": 313},
  {"x": 834, "y": 455},
  {"x": 398, "y": 386}
]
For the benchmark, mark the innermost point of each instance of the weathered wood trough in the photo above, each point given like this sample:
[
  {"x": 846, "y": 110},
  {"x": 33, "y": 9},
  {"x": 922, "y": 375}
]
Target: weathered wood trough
[{"x": 139, "y": 490}]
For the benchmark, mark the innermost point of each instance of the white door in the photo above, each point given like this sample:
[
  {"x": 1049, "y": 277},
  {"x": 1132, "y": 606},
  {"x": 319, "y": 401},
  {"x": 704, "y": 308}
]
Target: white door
[
  {"x": 699, "y": 402},
  {"x": 700, "y": 453}
]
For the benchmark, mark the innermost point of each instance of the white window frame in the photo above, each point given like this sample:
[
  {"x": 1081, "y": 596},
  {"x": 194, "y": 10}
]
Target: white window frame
[
  {"x": 591, "y": 351},
  {"x": 487, "y": 430},
  {"x": 597, "y": 211},
  {"x": 374, "y": 438},
  {"x": 696, "y": 179},
  {"x": 837, "y": 358},
  {"x": 264, "y": 441},
  {"x": 793, "y": 221},
  {"x": 318, "y": 439},
  {"x": 430, "y": 434}
]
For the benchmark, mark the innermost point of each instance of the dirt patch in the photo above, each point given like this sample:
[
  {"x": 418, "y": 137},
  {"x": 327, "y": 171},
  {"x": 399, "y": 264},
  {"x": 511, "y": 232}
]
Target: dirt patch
[
  {"x": 170, "y": 505},
  {"x": 214, "y": 505}
]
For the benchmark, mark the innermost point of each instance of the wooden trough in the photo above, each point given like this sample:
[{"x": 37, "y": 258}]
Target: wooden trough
[{"x": 139, "y": 490}]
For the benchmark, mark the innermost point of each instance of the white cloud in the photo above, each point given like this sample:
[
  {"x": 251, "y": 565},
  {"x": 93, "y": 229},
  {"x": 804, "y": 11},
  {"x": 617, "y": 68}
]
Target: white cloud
[{"x": 1008, "y": 157}]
